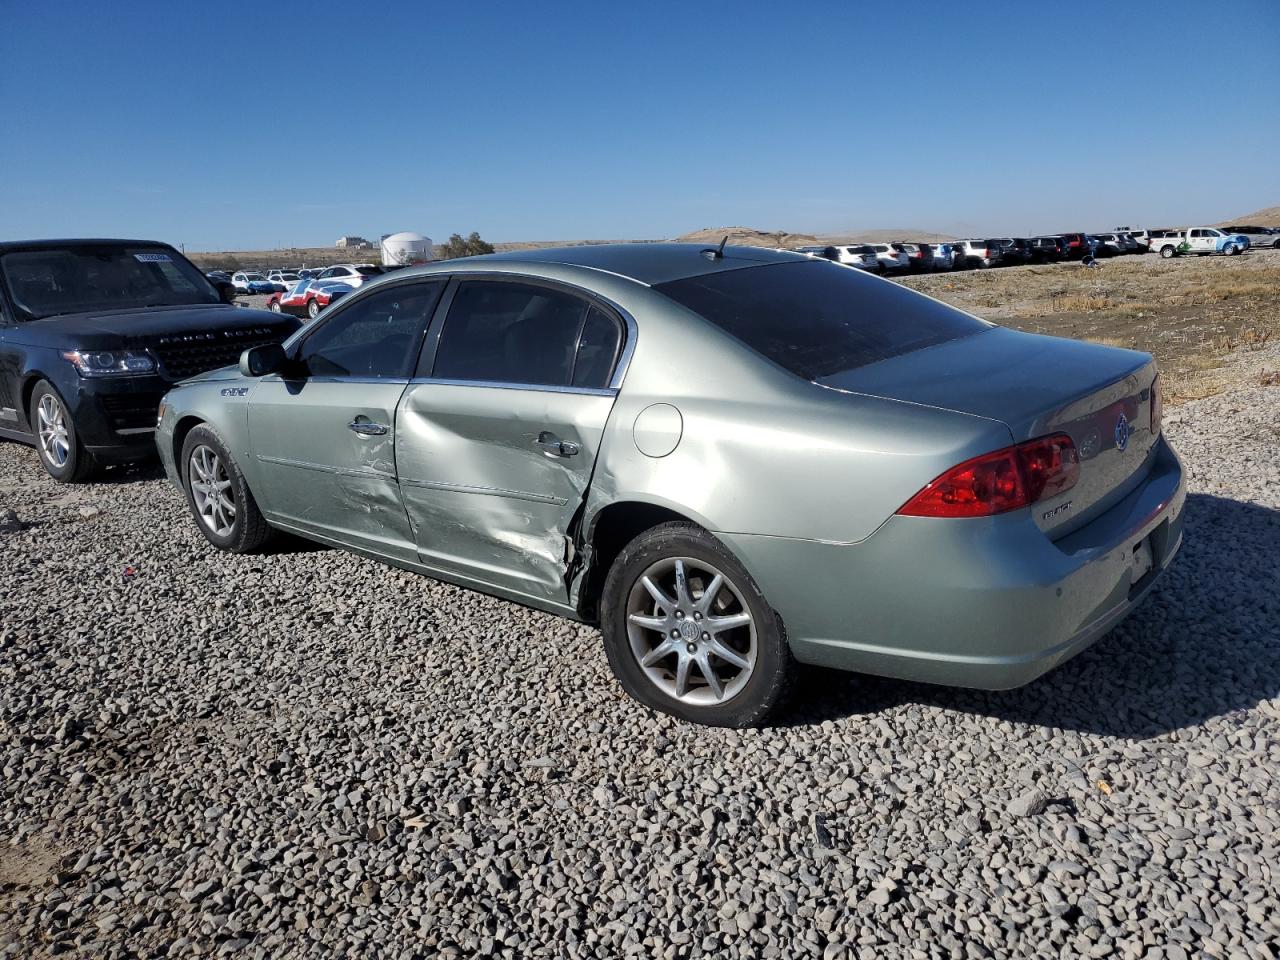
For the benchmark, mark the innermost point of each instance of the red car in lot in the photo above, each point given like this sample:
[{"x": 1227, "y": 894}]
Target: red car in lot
[{"x": 307, "y": 298}]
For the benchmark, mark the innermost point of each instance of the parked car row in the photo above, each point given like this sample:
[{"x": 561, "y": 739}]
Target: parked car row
[
  {"x": 257, "y": 282},
  {"x": 979, "y": 253}
]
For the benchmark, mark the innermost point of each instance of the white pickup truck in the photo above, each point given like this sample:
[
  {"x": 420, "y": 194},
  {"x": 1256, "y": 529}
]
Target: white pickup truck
[{"x": 1197, "y": 240}]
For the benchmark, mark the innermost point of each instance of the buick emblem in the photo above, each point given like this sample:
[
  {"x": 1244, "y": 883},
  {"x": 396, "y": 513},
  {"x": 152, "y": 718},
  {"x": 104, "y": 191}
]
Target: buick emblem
[{"x": 1122, "y": 433}]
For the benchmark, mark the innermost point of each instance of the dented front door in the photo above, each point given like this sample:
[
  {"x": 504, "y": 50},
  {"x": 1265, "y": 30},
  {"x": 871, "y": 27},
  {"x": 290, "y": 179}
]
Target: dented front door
[
  {"x": 326, "y": 459},
  {"x": 491, "y": 477}
]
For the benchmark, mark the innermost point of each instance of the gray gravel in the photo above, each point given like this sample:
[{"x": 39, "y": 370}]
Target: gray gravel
[{"x": 312, "y": 754}]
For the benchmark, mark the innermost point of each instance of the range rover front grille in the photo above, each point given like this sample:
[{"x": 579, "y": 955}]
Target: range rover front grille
[{"x": 185, "y": 355}]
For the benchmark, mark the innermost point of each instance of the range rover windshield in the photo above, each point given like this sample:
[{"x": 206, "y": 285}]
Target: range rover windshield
[
  {"x": 816, "y": 319},
  {"x": 88, "y": 277}
]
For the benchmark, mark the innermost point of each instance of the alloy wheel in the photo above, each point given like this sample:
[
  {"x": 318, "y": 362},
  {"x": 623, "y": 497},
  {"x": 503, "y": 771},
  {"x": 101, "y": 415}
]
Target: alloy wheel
[
  {"x": 55, "y": 441},
  {"x": 211, "y": 490},
  {"x": 691, "y": 631}
]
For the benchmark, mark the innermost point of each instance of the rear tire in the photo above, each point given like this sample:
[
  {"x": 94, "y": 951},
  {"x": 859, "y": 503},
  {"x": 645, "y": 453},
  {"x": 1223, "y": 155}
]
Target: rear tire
[
  {"x": 1167, "y": 252},
  {"x": 660, "y": 609},
  {"x": 275, "y": 306},
  {"x": 62, "y": 454},
  {"x": 313, "y": 309},
  {"x": 218, "y": 496}
]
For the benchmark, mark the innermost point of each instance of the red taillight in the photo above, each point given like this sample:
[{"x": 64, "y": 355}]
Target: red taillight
[
  {"x": 1000, "y": 481},
  {"x": 1157, "y": 407}
]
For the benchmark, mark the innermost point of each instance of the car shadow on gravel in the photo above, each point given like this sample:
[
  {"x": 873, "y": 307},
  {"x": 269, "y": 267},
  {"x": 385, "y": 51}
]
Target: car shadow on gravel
[
  {"x": 1204, "y": 644},
  {"x": 130, "y": 473}
]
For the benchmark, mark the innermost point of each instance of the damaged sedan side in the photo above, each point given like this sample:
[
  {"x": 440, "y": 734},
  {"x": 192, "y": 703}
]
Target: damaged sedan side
[{"x": 730, "y": 459}]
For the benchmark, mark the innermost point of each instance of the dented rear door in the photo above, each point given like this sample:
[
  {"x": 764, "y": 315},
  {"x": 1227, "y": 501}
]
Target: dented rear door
[
  {"x": 497, "y": 436},
  {"x": 492, "y": 476}
]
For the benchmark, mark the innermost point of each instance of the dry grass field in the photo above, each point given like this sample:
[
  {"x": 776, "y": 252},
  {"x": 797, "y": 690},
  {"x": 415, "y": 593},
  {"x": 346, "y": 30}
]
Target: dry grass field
[{"x": 1197, "y": 315}]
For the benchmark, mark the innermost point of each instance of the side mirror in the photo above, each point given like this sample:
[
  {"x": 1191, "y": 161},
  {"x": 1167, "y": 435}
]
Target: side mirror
[
  {"x": 262, "y": 360},
  {"x": 227, "y": 291}
]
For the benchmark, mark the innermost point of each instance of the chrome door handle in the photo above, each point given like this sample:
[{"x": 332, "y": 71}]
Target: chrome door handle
[
  {"x": 367, "y": 428},
  {"x": 553, "y": 446}
]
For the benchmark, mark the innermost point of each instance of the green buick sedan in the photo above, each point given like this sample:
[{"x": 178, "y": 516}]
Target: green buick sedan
[{"x": 731, "y": 459}]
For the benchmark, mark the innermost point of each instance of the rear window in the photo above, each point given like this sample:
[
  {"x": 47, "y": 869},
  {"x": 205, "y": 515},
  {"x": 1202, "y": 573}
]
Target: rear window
[{"x": 815, "y": 319}]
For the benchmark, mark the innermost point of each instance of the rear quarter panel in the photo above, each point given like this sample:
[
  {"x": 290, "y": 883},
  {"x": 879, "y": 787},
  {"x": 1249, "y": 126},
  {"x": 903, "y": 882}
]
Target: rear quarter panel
[{"x": 762, "y": 451}]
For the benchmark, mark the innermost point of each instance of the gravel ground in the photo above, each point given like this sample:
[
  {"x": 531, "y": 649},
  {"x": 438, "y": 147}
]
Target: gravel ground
[{"x": 312, "y": 754}]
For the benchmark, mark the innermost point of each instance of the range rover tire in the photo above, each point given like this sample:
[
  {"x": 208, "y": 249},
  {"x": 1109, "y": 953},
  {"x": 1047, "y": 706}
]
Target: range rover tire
[
  {"x": 688, "y": 632},
  {"x": 217, "y": 495},
  {"x": 62, "y": 454}
]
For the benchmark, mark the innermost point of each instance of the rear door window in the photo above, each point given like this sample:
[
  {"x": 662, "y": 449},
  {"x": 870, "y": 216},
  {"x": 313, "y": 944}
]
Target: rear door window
[
  {"x": 815, "y": 320},
  {"x": 522, "y": 333}
]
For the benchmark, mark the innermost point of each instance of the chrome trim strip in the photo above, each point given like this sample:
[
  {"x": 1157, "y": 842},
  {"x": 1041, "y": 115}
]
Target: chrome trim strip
[
  {"x": 129, "y": 431},
  {"x": 485, "y": 491},
  {"x": 535, "y": 387},
  {"x": 390, "y": 381},
  {"x": 324, "y": 468}
]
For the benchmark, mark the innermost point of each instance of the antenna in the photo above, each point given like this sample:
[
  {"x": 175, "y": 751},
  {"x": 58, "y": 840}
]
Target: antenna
[{"x": 718, "y": 252}]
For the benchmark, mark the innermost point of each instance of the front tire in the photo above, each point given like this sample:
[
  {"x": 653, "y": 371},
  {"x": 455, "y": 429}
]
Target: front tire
[
  {"x": 62, "y": 454},
  {"x": 1230, "y": 249},
  {"x": 275, "y": 306},
  {"x": 218, "y": 496},
  {"x": 1167, "y": 253},
  {"x": 688, "y": 632}
]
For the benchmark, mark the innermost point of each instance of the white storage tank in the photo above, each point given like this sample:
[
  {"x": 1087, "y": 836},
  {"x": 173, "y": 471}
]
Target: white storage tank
[{"x": 406, "y": 250}]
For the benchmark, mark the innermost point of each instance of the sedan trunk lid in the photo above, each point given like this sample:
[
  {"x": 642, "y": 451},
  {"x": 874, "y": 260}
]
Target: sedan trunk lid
[{"x": 1099, "y": 396}]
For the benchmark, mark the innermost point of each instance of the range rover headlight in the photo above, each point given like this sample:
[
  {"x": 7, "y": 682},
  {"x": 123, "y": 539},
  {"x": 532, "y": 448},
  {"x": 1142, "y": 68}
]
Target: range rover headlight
[{"x": 111, "y": 363}]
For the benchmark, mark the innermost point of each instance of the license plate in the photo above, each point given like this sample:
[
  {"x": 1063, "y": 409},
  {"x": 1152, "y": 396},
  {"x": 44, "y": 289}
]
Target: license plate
[{"x": 1140, "y": 561}]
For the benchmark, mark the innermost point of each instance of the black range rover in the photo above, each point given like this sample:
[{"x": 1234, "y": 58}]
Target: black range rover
[{"x": 92, "y": 334}]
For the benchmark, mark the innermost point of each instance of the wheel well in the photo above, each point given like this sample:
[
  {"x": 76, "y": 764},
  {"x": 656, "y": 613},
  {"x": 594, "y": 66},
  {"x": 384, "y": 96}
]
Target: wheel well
[
  {"x": 27, "y": 389},
  {"x": 180, "y": 431},
  {"x": 616, "y": 526}
]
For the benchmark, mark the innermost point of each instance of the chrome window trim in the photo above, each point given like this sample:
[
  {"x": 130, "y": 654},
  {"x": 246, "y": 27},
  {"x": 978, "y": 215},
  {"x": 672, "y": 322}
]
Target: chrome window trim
[
  {"x": 503, "y": 385},
  {"x": 631, "y": 329},
  {"x": 329, "y": 378}
]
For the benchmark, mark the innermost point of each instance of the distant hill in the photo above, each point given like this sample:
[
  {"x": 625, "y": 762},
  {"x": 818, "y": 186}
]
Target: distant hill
[
  {"x": 751, "y": 237},
  {"x": 1266, "y": 217},
  {"x": 748, "y": 237}
]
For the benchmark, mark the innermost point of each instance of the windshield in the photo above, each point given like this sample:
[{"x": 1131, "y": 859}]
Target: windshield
[
  {"x": 77, "y": 279},
  {"x": 816, "y": 320}
]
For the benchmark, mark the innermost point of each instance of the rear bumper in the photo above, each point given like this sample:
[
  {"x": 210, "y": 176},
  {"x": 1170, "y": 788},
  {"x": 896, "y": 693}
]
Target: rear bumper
[{"x": 989, "y": 603}]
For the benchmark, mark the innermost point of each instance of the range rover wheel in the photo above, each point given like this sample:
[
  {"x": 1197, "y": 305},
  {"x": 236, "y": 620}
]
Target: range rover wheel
[
  {"x": 219, "y": 498},
  {"x": 313, "y": 309},
  {"x": 688, "y": 632},
  {"x": 62, "y": 454}
]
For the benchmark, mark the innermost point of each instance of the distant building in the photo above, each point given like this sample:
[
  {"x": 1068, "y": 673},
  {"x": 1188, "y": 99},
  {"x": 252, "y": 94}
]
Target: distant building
[{"x": 353, "y": 243}]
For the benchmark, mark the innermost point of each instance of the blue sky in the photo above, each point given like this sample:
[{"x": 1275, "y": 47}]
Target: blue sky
[{"x": 237, "y": 126}]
